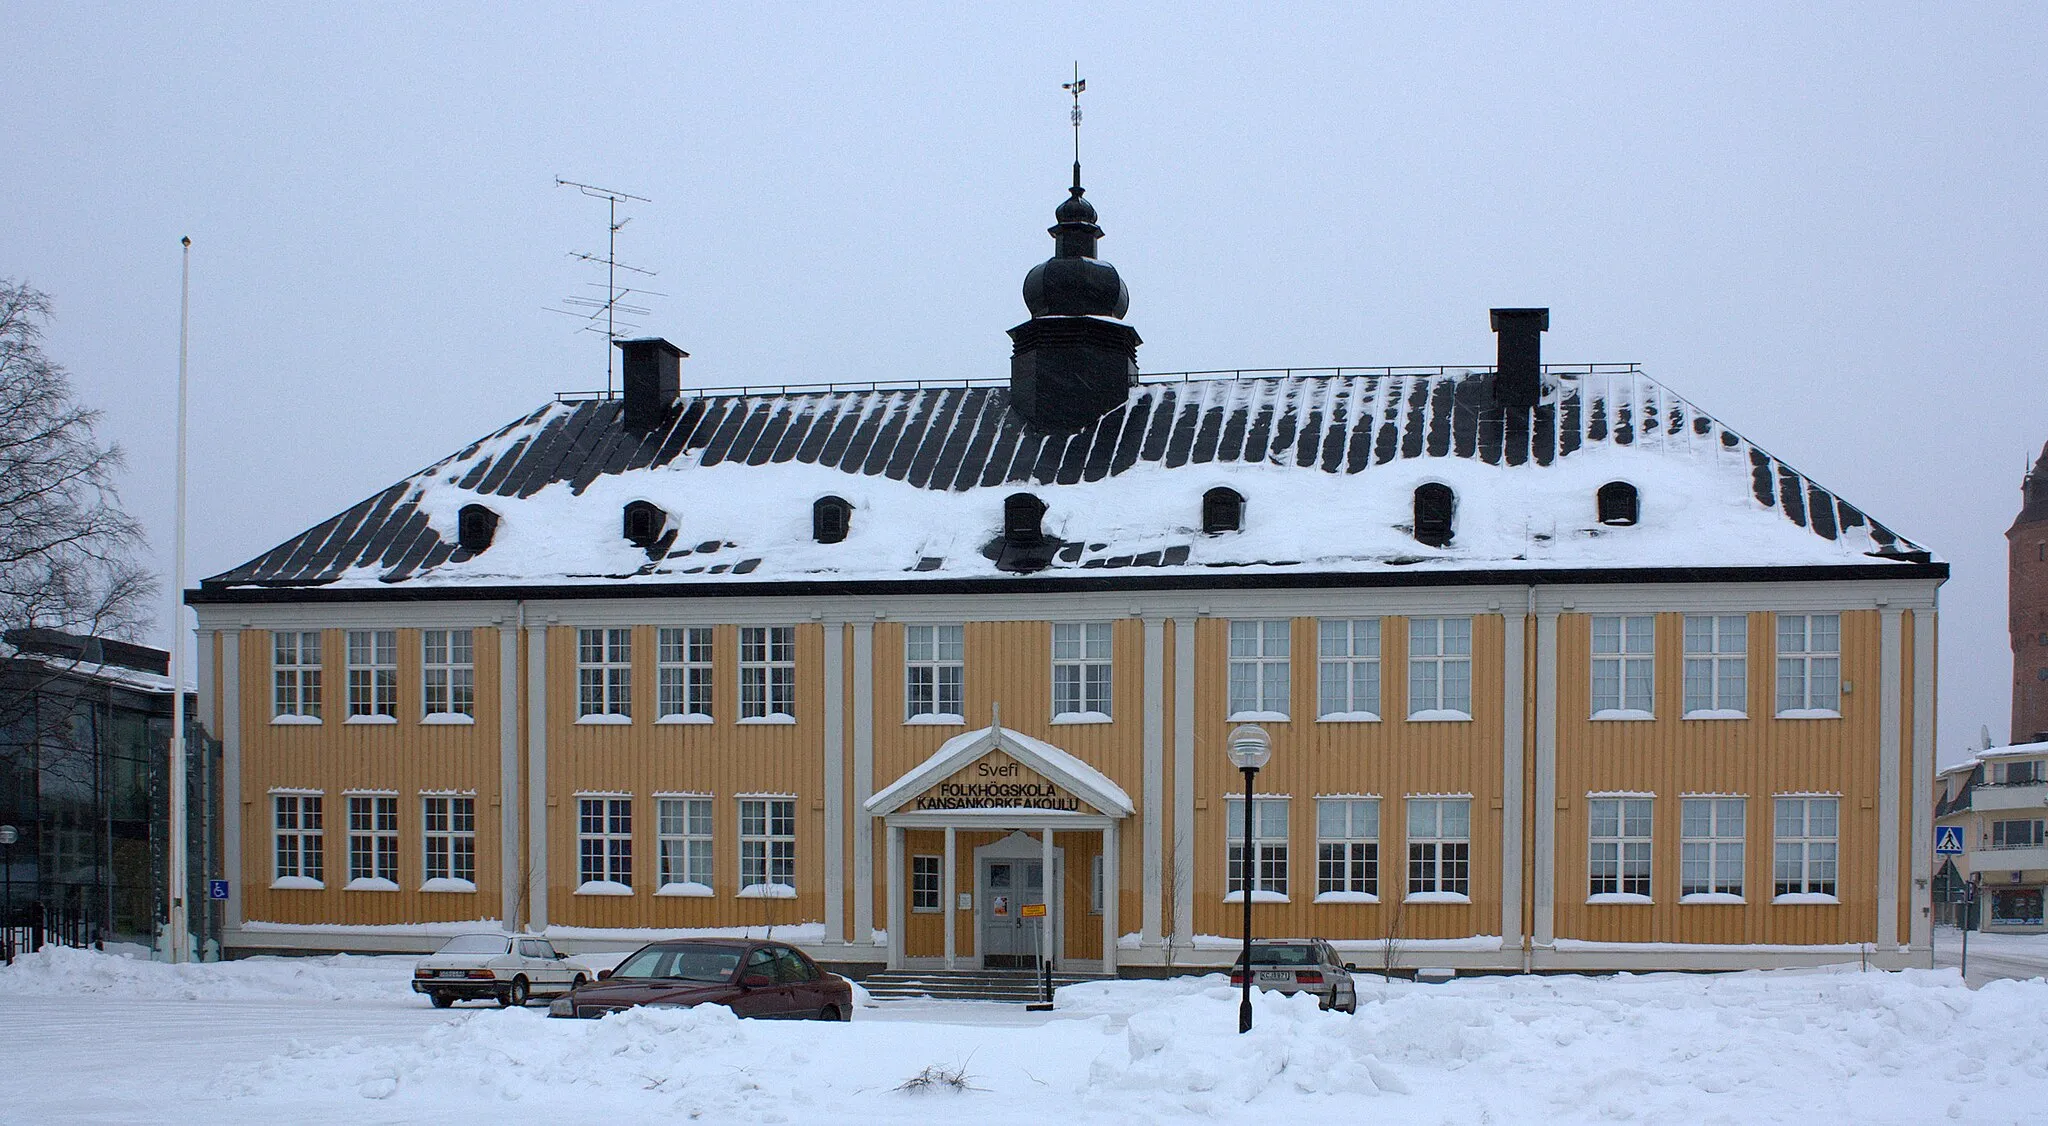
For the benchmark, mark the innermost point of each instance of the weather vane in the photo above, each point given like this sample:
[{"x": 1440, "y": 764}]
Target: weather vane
[{"x": 1075, "y": 87}]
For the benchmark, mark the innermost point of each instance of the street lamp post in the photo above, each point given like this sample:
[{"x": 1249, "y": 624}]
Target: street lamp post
[{"x": 1249, "y": 748}]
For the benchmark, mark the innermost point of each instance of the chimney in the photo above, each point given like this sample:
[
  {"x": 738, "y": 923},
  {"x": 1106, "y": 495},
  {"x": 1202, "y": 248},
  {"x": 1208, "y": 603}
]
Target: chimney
[
  {"x": 652, "y": 377},
  {"x": 1518, "y": 373}
]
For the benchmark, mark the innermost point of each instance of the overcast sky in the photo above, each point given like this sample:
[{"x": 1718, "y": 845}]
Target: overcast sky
[{"x": 1823, "y": 224}]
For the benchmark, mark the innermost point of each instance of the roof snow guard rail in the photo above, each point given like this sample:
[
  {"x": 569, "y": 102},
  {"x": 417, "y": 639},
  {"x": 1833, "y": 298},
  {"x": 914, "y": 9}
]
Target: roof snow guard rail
[{"x": 1160, "y": 377}]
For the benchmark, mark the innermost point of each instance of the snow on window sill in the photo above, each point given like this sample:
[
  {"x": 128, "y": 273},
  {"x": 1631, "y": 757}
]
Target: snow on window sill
[
  {"x": 683, "y": 718},
  {"x": 1711, "y": 897},
  {"x": 1082, "y": 717},
  {"x": 1809, "y": 713},
  {"x": 448, "y": 884},
  {"x": 1623, "y": 714},
  {"x": 370, "y": 720},
  {"x": 1435, "y": 897},
  {"x": 1617, "y": 897},
  {"x": 1439, "y": 715},
  {"x": 447, "y": 719},
  {"x": 370, "y": 883},
  {"x": 298, "y": 883},
  {"x": 935, "y": 719},
  {"x": 1256, "y": 717},
  {"x": 1717, "y": 713},
  {"x": 770, "y": 718},
  {"x": 687, "y": 890},
  {"x": 603, "y": 719},
  {"x": 1257, "y": 897},
  {"x": 768, "y": 891},
  {"x": 1346, "y": 897},
  {"x": 1803, "y": 899},
  {"x": 1348, "y": 717},
  {"x": 295, "y": 721},
  {"x": 603, "y": 887}
]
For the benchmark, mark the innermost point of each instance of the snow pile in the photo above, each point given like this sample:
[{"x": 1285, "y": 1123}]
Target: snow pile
[{"x": 61, "y": 970}]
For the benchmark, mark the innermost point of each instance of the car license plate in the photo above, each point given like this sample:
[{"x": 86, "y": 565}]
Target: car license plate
[
  {"x": 1285, "y": 976},
  {"x": 453, "y": 973}
]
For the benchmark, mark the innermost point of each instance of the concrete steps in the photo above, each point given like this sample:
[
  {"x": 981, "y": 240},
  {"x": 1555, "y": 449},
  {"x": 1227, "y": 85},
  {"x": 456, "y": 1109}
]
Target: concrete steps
[{"x": 1010, "y": 986}]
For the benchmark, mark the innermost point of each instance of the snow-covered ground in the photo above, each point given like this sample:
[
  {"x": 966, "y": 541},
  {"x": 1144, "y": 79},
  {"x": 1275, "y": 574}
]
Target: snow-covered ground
[
  {"x": 1993, "y": 956},
  {"x": 91, "y": 1038}
]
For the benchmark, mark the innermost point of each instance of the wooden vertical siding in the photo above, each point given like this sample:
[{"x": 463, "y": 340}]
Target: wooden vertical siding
[
  {"x": 404, "y": 758},
  {"x": 1758, "y": 758},
  {"x": 723, "y": 760},
  {"x": 1393, "y": 759}
]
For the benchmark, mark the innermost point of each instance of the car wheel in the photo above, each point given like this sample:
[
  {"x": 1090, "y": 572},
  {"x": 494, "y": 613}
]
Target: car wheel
[
  {"x": 515, "y": 997},
  {"x": 441, "y": 1000},
  {"x": 829, "y": 1012}
]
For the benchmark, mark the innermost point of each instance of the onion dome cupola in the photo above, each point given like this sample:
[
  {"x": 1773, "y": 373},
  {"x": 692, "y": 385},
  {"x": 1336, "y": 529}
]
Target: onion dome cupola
[{"x": 1072, "y": 362}]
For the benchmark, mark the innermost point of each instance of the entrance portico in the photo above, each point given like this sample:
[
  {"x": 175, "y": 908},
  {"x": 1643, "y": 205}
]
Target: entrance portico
[{"x": 1001, "y": 787}]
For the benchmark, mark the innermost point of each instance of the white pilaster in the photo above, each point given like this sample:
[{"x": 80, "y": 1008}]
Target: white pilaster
[
  {"x": 1891, "y": 642},
  {"x": 234, "y": 809},
  {"x": 1922, "y": 929},
  {"x": 835, "y": 782},
  {"x": 1546, "y": 779},
  {"x": 1111, "y": 862},
  {"x": 1154, "y": 813},
  {"x": 1513, "y": 732},
  {"x": 949, "y": 898},
  {"x": 864, "y": 783},
  {"x": 1050, "y": 892},
  {"x": 537, "y": 777},
  {"x": 896, "y": 931},
  {"x": 1183, "y": 880},
  {"x": 508, "y": 774}
]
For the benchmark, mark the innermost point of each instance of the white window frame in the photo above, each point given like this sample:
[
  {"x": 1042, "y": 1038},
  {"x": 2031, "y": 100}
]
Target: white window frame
[
  {"x": 604, "y": 839},
  {"x": 2030, "y": 772},
  {"x": 684, "y": 688},
  {"x": 1809, "y": 675},
  {"x": 1712, "y": 848},
  {"x": 1347, "y": 850},
  {"x": 685, "y": 844},
  {"x": 767, "y": 683},
  {"x": 1716, "y": 666},
  {"x": 1348, "y": 671},
  {"x": 1439, "y": 860},
  {"x": 447, "y": 673},
  {"x": 1805, "y": 863},
  {"x": 1259, "y": 658},
  {"x": 448, "y": 837},
  {"x": 767, "y": 844},
  {"x": 935, "y": 674},
  {"x": 372, "y": 675},
  {"x": 1269, "y": 849},
  {"x": 295, "y": 674},
  {"x": 373, "y": 837},
  {"x": 1624, "y": 665},
  {"x": 2002, "y": 838},
  {"x": 604, "y": 673},
  {"x": 298, "y": 837},
  {"x": 927, "y": 883},
  {"x": 1083, "y": 671},
  {"x": 1439, "y": 668},
  {"x": 1620, "y": 836}
]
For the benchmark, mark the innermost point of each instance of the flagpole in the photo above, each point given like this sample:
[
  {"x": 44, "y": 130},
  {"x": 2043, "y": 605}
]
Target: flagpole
[{"x": 179, "y": 879}]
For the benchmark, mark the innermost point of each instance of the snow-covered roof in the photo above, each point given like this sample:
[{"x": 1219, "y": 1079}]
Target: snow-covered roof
[
  {"x": 1327, "y": 463},
  {"x": 955, "y": 754},
  {"x": 1994, "y": 754}
]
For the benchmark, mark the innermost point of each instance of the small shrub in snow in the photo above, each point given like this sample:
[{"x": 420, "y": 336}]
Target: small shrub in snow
[{"x": 938, "y": 1078}]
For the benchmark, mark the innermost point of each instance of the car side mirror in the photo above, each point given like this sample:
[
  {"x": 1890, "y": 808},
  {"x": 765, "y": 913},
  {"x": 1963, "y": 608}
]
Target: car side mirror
[
  {"x": 755, "y": 981},
  {"x": 1349, "y": 968},
  {"x": 603, "y": 974}
]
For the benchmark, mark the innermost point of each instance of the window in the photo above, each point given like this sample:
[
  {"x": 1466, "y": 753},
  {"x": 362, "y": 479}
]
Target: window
[
  {"x": 1269, "y": 847},
  {"x": 373, "y": 673},
  {"x": 924, "y": 883},
  {"x": 604, "y": 840},
  {"x": 475, "y": 527},
  {"x": 447, "y": 672},
  {"x": 1439, "y": 847},
  {"x": 1617, "y": 504},
  {"x": 1222, "y": 511},
  {"x": 642, "y": 523},
  {"x": 295, "y": 673},
  {"x": 767, "y": 844},
  {"x": 1618, "y": 846},
  {"x": 604, "y": 672},
  {"x": 1803, "y": 862},
  {"x": 1081, "y": 668},
  {"x": 934, "y": 672},
  {"x": 449, "y": 822},
  {"x": 2023, "y": 773},
  {"x": 1436, "y": 507},
  {"x": 1710, "y": 847},
  {"x": 767, "y": 672},
  {"x": 1809, "y": 664},
  {"x": 1348, "y": 664},
  {"x": 1624, "y": 664},
  {"x": 2016, "y": 834},
  {"x": 831, "y": 519},
  {"x": 1095, "y": 885},
  {"x": 1347, "y": 847},
  {"x": 299, "y": 839},
  {"x": 1258, "y": 669},
  {"x": 1021, "y": 515},
  {"x": 682, "y": 673},
  {"x": 683, "y": 844},
  {"x": 1716, "y": 665},
  {"x": 373, "y": 838},
  {"x": 1439, "y": 668}
]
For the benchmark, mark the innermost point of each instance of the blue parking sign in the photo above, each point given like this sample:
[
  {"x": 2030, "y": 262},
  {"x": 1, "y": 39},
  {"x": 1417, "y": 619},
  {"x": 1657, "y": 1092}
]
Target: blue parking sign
[
  {"x": 1948, "y": 840},
  {"x": 216, "y": 889}
]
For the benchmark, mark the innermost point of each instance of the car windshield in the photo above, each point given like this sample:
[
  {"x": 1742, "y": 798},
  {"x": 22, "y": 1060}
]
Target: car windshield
[
  {"x": 476, "y": 944},
  {"x": 1276, "y": 955},
  {"x": 687, "y": 963}
]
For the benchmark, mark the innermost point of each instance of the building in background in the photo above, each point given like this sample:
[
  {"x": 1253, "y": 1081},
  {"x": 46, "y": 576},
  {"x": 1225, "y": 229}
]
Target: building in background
[
  {"x": 1998, "y": 800},
  {"x": 2027, "y": 605}
]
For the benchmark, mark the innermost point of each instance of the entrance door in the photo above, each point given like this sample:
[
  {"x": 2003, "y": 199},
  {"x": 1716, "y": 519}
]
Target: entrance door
[{"x": 1008, "y": 939}]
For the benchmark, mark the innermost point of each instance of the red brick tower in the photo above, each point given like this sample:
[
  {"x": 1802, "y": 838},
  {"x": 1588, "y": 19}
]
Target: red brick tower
[{"x": 2028, "y": 600}]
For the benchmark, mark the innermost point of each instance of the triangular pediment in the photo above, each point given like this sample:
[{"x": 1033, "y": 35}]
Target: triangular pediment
[{"x": 997, "y": 768}]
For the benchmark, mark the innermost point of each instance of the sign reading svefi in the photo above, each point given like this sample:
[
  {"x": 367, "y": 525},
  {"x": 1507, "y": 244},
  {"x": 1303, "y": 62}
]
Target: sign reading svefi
[{"x": 997, "y": 781}]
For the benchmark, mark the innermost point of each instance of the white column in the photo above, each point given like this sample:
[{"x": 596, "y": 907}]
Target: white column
[
  {"x": 1512, "y": 732},
  {"x": 1891, "y": 664},
  {"x": 1184, "y": 780},
  {"x": 1546, "y": 779},
  {"x": 835, "y": 782},
  {"x": 1922, "y": 929},
  {"x": 1154, "y": 813},
  {"x": 1110, "y": 864},
  {"x": 948, "y": 898},
  {"x": 508, "y": 774},
  {"x": 1047, "y": 892},
  {"x": 895, "y": 898},
  {"x": 233, "y": 805},
  {"x": 537, "y": 777},
  {"x": 863, "y": 781}
]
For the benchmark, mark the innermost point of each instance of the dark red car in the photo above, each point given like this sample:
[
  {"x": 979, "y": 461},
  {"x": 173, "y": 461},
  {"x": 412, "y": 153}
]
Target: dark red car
[{"x": 752, "y": 978}]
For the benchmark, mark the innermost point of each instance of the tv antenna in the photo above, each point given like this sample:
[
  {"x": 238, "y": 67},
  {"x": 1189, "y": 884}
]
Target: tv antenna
[{"x": 602, "y": 316}]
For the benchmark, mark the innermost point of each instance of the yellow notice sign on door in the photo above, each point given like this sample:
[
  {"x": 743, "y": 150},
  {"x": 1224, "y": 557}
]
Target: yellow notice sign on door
[{"x": 1032, "y": 911}]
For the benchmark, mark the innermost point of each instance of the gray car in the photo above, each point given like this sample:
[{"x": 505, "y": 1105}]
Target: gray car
[{"x": 1301, "y": 965}]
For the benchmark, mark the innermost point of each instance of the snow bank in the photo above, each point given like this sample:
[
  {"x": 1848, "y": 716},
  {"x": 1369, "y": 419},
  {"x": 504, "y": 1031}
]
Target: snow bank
[{"x": 60, "y": 970}]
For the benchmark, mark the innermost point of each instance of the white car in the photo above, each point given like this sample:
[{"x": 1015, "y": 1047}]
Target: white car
[{"x": 508, "y": 968}]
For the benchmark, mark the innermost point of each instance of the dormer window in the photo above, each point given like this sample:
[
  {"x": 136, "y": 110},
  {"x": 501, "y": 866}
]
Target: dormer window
[
  {"x": 474, "y": 528},
  {"x": 1618, "y": 504},
  {"x": 1021, "y": 515},
  {"x": 644, "y": 523},
  {"x": 1222, "y": 510},
  {"x": 831, "y": 519},
  {"x": 1435, "y": 506}
]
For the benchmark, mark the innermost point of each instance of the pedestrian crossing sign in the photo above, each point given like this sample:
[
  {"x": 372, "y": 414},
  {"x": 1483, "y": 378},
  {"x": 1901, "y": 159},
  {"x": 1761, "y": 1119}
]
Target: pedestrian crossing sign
[{"x": 1948, "y": 840}]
